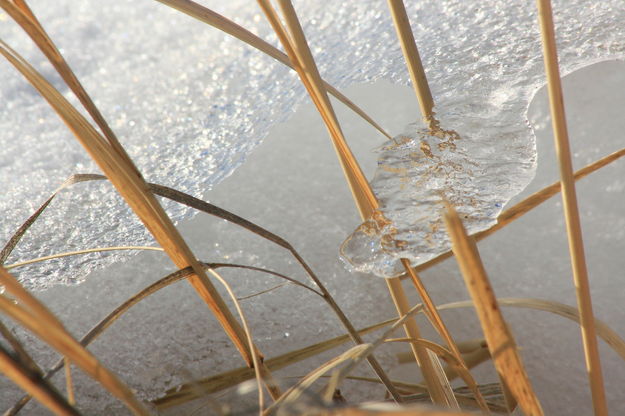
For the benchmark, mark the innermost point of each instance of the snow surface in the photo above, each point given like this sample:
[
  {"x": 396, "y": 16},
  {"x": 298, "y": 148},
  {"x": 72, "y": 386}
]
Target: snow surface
[
  {"x": 189, "y": 102},
  {"x": 292, "y": 185}
]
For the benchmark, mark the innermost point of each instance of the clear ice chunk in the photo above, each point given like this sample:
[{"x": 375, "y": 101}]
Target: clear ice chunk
[
  {"x": 190, "y": 103},
  {"x": 418, "y": 172}
]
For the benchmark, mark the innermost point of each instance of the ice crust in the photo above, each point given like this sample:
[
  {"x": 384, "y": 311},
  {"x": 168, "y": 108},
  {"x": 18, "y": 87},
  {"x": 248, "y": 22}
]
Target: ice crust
[{"x": 189, "y": 103}]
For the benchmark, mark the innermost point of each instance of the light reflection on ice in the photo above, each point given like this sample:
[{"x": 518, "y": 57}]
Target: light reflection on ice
[{"x": 190, "y": 103}]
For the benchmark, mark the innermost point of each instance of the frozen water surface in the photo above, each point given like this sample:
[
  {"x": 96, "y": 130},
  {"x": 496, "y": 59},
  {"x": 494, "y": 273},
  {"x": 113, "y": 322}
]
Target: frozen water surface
[{"x": 189, "y": 103}]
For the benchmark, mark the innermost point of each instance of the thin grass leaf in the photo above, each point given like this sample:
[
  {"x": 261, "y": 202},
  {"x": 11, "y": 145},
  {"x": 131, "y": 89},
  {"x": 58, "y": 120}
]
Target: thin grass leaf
[
  {"x": 235, "y": 219},
  {"x": 79, "y": 252},
  {"x": 186, "y": 392},
  {"x": 438, "y": 349},
  {"x": 465, "y": 347},
  {"x": 18, "y": 349},
  {"x": 263, "y": 292},
  {"x": 439, "y": 325},
  {"x": 429, "y": 371},
  {"x": 17, "y": 236},
  {"x": 413, "y": 61},
  {"x": 492, "y": 392},
  {"x": 418, "y": 392},
  {"x": 499, "y": 338},
  {"x": 258, "y": 365},
  {"x": 610, "y": 336},
  {"x": 474, "y": 351},
  {"x": 135, "y": 191},
  {"x": 340, "y": 375},
  {"x": 406, "y": 388},
  {"x": 426, "y": 105},
  {"x": 571, "y": 211},
  {"x": 296, "y": 46},
  {"x": 384, "y": 409},
  {"x": 302, "y": 385},
  {"x": 220, "y": 22},
  {"x": 34, "y": 316},
  {"x": 33, "y": 383},
  {"x": 69, "y": 383}
]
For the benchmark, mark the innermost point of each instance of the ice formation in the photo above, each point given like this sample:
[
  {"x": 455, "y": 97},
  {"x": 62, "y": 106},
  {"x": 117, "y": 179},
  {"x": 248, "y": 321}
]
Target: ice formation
[
  {"x": 488, "y": 155},
  {"x": 189, "y": 103}
]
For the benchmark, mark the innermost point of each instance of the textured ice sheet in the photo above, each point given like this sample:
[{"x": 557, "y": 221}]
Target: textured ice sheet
[{"x": 189, "y": 103}]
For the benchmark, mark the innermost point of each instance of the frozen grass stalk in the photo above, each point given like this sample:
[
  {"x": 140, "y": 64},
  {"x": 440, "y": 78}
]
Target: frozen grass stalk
[
  {"x": 571, "y": 212},
  {"x": 498, "y": 336}
]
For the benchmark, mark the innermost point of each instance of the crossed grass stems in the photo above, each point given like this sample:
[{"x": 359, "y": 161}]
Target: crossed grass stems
[{"x": 514, "y": 387}]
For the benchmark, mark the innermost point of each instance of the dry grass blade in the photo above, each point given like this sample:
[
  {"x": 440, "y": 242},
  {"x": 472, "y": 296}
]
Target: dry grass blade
[
  {"x": 32, "y": 382},
  {"x": 383, "y": 409},
  {"x": 500, "y": 341},
  {"x": 528, "y": 204},
  {"x": 405, "y": 388},
  {"x": 136, "y": 193},
  {"x": 208, "y": 16},
  {"x": 430, "y": 374},
  {"x": 259, "y": 367},
  {"x": 79, "y": 252},
  {"x": 438, "y": 324},
  {"x": 467, "y": 348},
  {"x": 250, "y": 226},
  {"x": 262, "y": 292},
  {"x": 413, "y": 61},
  {"x": 611, "y": 337},
  {"x": 474, "y": 352},
  {"x": 17, "y": 236},
  {"x": 298, "y": 51},
  {"x": 438, "y": 349},
  {"x": 211, "y": 209},
  {"x": 187, "y": 392},
  {"x": 296, "y": 391},
  {"x": 571, "y": 212},
  {"x": 69, "y": 383},
  {"x": 340, "y": 375},
  {"x": 34, "y": 316},
  {"x": 21, "y": 354},
  {"x": 492, "y": 392}
]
